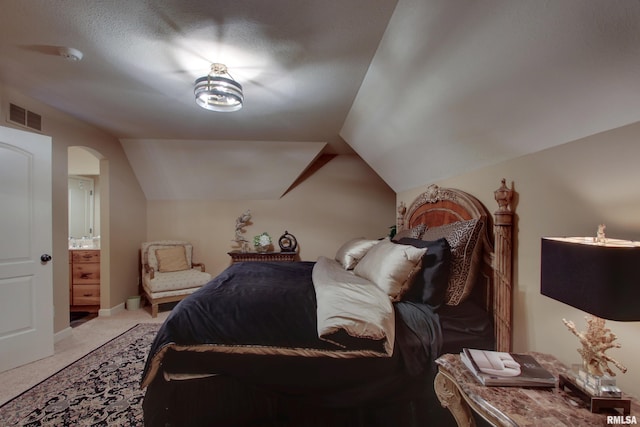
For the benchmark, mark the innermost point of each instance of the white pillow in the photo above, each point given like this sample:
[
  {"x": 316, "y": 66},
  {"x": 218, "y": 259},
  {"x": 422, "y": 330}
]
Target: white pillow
[
  {"x": 352, "y": 251},
  {"x": 391, "y": 266}
]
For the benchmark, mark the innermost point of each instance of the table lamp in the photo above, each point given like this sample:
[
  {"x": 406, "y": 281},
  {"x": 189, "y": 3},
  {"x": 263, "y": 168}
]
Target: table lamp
[{"x": 600, "y": 276}]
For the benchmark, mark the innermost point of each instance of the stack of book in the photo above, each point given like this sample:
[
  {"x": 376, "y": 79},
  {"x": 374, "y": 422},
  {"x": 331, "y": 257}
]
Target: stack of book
[{"x": 494, "y": 368}]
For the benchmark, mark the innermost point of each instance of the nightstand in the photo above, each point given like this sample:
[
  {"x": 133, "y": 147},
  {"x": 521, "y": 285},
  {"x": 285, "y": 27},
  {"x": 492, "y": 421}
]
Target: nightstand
[
  {"x": 459, "y": 391},
  {"x": 237, "y": 256}
]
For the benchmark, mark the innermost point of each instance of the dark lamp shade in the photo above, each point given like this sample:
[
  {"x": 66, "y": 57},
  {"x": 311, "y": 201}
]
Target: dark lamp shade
[{"x": 600, "y": 279}]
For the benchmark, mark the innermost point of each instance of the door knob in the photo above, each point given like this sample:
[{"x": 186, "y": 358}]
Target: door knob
[{"x": 45, "y": 258}]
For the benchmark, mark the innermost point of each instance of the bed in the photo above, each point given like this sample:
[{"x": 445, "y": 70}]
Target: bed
[{"x": 346, "y": 340}]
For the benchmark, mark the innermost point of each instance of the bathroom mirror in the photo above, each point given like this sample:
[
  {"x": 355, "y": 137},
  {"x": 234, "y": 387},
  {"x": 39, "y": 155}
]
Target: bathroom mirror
[{"x": 81, "y": 207}]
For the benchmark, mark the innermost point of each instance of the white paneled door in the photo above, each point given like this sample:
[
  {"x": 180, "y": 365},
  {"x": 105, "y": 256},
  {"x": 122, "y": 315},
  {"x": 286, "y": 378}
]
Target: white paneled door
[{"x": 26, "y": 285}]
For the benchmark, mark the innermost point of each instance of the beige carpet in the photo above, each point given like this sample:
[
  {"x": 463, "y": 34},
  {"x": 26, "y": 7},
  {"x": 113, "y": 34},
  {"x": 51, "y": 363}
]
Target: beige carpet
[{"x": 83, "y": 339}]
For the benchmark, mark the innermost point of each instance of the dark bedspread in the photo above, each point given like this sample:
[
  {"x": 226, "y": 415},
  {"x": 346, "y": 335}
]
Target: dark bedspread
[{"x": 256, "y": 305}]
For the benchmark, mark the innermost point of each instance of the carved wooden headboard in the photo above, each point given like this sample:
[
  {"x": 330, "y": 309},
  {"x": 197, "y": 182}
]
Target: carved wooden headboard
[{"x": 439, "y": 206}]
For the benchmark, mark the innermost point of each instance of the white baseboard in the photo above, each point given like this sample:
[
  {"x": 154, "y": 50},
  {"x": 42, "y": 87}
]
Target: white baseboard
[
  {"x": 111, "y": 311},
  {"x": 60, "y": 335}
]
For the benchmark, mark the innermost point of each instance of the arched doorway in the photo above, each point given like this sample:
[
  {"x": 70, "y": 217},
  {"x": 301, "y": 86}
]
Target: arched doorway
[{"x": 84, "y": 191}]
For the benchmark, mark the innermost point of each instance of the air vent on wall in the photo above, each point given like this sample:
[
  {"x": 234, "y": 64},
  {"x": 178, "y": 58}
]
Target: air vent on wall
[{"x": 23, "y": 117}]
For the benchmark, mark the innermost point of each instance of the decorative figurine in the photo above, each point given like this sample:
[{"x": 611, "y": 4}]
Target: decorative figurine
[
  {"x": 600, "y": 237},
  {"x": 595, "y": 342},
  {"x": 241, "y": 222},
  {"x": 288, "y": 242},
  {"x": 402, "y": 209}
]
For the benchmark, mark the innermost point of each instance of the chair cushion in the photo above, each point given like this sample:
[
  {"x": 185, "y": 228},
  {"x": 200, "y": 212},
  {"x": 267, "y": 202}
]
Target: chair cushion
[
  {"x": 172, "y": 259},
  {"x": 165, "y": 294},
  {"x": 175, "y": 280}
]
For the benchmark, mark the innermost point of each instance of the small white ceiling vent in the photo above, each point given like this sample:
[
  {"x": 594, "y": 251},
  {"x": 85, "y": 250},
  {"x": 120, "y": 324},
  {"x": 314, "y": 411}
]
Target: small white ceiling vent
[
  {"x": 70, "y": 53},
  {"x": 25, "y": 118}
]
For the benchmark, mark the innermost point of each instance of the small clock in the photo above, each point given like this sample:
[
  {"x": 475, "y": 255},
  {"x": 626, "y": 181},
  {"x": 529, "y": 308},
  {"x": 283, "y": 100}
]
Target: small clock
[{"x": 288, "y": 242}]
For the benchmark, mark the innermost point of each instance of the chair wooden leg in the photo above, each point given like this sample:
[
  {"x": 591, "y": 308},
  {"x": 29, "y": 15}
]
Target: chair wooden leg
[{"x": 154, "y": 310}]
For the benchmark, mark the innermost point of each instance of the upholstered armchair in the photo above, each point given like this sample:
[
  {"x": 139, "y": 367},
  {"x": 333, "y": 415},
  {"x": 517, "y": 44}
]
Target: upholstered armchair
[{"x": 169, "y": 273}]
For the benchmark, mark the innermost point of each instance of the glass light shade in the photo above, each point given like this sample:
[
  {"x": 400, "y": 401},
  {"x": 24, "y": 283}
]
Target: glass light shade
[{"x": 218, "y": 93}]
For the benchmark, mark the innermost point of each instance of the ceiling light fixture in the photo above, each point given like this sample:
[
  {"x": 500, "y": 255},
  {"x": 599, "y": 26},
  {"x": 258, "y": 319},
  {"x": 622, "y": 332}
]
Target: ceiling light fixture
[{"x": 218, "y": 91}]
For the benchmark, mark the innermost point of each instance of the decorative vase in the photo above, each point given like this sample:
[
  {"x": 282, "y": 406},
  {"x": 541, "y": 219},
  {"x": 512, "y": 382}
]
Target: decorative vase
[{"x": 262, "y": 242}]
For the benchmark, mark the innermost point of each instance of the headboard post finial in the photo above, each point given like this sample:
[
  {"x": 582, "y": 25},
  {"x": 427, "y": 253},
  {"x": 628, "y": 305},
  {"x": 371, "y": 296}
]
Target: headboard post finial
[
  {"x": 503, "y": 196},
  {"x": 402, "y": 209},
  {"x": 502, "y": 269}
]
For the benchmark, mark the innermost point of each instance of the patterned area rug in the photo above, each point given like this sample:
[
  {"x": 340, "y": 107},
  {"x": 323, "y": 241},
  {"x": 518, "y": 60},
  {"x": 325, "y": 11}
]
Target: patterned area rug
[{"x": 100, "y": 389}]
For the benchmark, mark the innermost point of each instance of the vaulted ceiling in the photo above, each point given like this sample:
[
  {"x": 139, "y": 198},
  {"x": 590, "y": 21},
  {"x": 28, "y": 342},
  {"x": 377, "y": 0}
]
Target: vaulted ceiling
[
  {"x": 420, "y": 91},
  {"x": 476, "y": 83}
]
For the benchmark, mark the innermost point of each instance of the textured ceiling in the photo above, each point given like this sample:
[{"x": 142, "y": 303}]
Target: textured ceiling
[
  {"x": 423, "y": 92},
  {"x": 300, "y": 63}
]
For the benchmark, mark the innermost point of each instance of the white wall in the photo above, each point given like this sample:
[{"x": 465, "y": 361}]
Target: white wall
[
  {"x": 340, "y": 200},
  {"x": 567, "y": 190},
  {"x": 123, "y": 205}
]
